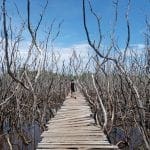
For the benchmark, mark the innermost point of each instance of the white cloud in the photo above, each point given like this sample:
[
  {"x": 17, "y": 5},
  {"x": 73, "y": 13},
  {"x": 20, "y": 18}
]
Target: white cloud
[
  {"x": 66, "y": 52},
  {"x": 61, "y": 53},
  {"x": 136, "y": 49},
  {"x": 137, "y": 46}
]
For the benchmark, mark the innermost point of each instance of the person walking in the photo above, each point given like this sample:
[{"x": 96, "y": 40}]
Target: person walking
[{"x": 72, "y": 88}]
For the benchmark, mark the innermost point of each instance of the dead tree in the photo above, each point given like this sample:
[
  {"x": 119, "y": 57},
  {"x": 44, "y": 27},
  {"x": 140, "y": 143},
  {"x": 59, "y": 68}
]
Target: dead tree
[{"x": 140, "y": 112}]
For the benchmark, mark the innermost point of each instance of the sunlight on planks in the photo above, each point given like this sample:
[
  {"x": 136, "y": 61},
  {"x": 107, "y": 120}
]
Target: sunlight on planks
[{"x": 74, "y": 128}]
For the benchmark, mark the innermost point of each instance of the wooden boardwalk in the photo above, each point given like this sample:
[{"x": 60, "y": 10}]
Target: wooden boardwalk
[{"x": 74, "y": 128}]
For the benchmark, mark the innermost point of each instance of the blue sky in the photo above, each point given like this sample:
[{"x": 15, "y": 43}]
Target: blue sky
[{"x": 72, "y": 31}]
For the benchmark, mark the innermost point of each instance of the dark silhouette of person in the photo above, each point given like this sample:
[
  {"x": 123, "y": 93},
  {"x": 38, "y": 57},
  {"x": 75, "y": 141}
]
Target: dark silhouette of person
[{"x": 72, "y": 88}]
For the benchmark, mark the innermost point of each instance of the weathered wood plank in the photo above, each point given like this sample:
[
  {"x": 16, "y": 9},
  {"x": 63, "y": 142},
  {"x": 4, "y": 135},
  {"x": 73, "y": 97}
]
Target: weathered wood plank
[
  {"x": 74, "y": 128},
  {"x": 79, "y": 147}
]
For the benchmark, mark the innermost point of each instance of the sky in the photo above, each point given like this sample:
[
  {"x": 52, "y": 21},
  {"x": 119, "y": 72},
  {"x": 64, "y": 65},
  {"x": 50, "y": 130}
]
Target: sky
[{"x": 72, "y": 32}]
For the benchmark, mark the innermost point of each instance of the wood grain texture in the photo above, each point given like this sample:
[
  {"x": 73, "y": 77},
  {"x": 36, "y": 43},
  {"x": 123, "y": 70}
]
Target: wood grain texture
[{"x": 74, "y": 128}]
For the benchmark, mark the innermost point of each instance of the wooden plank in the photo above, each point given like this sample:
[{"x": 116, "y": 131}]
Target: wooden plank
[
  {"x": 74, "y": 128},
  {"x": 80, "y": 146}
]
